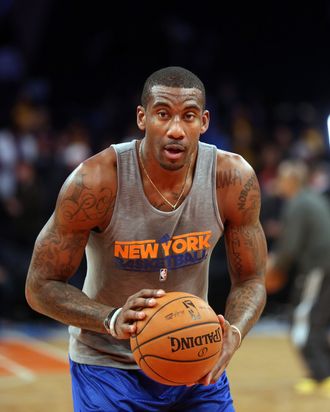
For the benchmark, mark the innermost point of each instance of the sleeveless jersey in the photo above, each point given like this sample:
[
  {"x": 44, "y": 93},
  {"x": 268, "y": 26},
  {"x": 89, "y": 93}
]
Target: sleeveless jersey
[{"x": 143, "y": 247}]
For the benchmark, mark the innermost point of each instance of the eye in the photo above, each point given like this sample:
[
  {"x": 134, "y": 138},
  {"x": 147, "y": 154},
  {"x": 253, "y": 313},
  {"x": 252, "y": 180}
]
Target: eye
[
  {"x": 162, "y": 114},
  {"x": 189, "y": 116}
]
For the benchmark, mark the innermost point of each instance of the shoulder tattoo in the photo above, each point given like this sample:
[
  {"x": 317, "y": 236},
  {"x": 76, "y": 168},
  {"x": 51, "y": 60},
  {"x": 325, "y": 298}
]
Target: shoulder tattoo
[
  {"x": 227, "y": 178},
  {"x": 85, "y": 204}
]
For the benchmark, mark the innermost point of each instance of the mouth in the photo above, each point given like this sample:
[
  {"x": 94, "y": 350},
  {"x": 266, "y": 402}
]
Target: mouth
[{"x": 174, "y": 151}]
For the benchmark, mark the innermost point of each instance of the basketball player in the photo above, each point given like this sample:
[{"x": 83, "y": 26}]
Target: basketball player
[
  {"x": 305, "y": 242},
  {"x": 148, "y": 213}
]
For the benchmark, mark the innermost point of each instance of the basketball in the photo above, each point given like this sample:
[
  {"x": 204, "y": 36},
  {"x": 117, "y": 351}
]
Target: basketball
[{"x": 179, "y": 341}]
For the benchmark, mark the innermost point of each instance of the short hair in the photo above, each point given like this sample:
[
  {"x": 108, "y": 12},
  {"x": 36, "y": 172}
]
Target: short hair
[
  {"x": 172, "y": 76},
  {"x": 296, "y": 169}
]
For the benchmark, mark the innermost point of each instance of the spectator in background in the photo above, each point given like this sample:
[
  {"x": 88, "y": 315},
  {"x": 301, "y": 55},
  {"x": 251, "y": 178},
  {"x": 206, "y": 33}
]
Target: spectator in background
[
  {"x": 305, "y": 241},
  {"x": 22, "y": 217},
  {"x": 73, "y": 147},
  {"x": 243, "y": 135},
  {"x": 270, "y": 157},
  {"x": 310, "y": 145},
  {"x": 320, "y": 178},
  {"x": 25, "y": 207},
  {"x": 17, "y": 143},
  {"x": 283, "y": 138}
]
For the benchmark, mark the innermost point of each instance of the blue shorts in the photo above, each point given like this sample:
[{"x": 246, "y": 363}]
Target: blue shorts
[{"x": 99, "y": 388}]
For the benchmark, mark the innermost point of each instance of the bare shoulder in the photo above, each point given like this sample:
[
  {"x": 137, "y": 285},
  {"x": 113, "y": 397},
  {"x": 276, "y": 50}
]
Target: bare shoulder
[
  {"x": 238, "y": 189},
  {"x": 87, "y": 197},
  {"x": 231, "y": 166}
]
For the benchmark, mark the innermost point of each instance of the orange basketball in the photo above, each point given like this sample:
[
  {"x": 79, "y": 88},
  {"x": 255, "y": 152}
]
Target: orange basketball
[{"x": 179, "y": 341}]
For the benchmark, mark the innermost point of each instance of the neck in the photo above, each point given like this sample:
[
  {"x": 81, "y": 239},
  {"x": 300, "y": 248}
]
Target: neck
[
  {"x": 167, "y": 186},
  {"x": 164, "y": 178}
]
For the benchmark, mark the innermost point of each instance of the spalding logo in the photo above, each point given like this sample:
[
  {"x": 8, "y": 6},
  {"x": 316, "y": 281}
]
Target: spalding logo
[{"x": 189, "y": 342}]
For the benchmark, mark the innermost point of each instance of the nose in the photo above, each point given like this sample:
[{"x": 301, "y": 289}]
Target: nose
[{"x": 175, "y": 130}]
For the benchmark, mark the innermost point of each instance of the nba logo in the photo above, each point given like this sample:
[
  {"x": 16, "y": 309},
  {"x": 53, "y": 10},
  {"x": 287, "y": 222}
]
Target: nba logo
[
  {"x": 192, "y": 310},
  {"x": 163, "y": 274}
]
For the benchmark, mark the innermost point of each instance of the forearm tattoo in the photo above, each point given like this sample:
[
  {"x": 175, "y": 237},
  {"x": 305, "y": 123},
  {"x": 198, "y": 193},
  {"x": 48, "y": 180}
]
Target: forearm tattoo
[
  {"x": 245, "y": 304},
  {"x": 56, "y": 258},
  {"x": 247, "y": 298}
]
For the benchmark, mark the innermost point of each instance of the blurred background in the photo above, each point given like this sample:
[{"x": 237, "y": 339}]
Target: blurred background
[{"x": 71, "y": 74}]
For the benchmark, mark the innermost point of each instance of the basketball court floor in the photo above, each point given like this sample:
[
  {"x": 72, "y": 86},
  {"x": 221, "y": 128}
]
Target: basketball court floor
[{"x": 34, "y": 375}]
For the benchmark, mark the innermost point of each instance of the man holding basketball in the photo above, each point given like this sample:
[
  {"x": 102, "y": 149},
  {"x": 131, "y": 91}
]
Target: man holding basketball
[{"x": 148, "y": 214}]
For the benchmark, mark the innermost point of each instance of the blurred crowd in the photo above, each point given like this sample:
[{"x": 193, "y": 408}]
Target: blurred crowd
[
  {"x": 36, "y": 155},
  {"x": 68, "y": 88},
  {"x": 68, "y": 82}
]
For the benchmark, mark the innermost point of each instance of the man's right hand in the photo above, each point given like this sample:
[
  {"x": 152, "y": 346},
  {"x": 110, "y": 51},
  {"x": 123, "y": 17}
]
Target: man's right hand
[{"x": 132, "y": 311}]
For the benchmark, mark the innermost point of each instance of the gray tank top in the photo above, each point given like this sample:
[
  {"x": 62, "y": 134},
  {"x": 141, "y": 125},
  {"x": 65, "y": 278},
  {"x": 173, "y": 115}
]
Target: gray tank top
[{"x": 144, "y": 247}]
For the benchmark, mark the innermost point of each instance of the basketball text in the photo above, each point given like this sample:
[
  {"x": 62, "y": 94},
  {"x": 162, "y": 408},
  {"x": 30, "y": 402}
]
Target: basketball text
[
  {"x": 169, "y": 252},
  {"x": 189, "y": 342}
]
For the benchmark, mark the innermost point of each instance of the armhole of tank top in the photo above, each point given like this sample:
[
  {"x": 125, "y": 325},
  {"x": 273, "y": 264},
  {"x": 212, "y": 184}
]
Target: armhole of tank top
[
  {"x": 117, "y": 194},
  {"x": 214, "y": 188}
]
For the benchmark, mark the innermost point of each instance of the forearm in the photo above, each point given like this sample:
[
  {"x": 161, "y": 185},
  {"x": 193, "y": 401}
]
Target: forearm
[
  {"x": 245, "y": 304},
  {"x": 67, "y": 304}
]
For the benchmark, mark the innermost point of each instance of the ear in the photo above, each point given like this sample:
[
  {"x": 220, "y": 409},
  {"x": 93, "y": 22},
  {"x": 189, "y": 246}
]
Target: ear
[
  {"x": 141, "y": 118},
  {"x": 205, "y": 121}
]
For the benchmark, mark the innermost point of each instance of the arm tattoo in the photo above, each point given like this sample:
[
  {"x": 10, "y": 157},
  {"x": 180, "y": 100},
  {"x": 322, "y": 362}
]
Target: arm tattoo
[
  {"x": 245, "y": 304},
  {"x": 247, "y": 195},
  {"x": 84, "y": 205},
  {"x": 228, "y": 177},
  {"x": 235, "y": 264},
  {"x": 55, "y": 259},
  {"x": 57, "y": 255},
  {"x": 247, "y": 298},
  {"x": 245, "y": 245}
]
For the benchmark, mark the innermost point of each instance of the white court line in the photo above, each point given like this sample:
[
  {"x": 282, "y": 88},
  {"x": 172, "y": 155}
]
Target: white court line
[
  {"x": 18, "y": 370},
  {"x": 23, "y": 375},
  {"x": 41, "y": 346}
]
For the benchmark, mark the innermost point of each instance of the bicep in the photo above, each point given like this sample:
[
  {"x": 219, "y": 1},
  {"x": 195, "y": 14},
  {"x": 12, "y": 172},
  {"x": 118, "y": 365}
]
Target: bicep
[
  {"x": 244, "y": 237},
  {"x": 246, "y": 251},
  {"x": 57, "y": 253}
]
